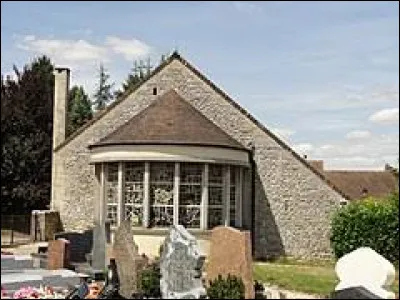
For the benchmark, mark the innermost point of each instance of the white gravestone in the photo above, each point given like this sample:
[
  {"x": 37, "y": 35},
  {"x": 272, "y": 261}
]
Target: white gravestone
[
  {"x": 180, "y": 266},
  {"x": 367, "y": 268}
]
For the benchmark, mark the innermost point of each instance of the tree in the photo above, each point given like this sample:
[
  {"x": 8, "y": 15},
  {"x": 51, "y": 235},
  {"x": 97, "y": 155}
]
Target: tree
[
  {"x": 139, "y": 72},
  {"x": 79, "y": 109},
  {"x": 26, "y": 134},
  {"x": 103, "y": 94}
]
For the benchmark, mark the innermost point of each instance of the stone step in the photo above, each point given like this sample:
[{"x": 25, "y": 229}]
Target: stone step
[
  {"x": 13, "y": 280},
  {"x": 16, "y": 262}
]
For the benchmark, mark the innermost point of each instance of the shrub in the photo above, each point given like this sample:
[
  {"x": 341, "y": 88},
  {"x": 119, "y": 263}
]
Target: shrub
[
  {"x": 149, "y": 281},
  {"x": 231, "y": 287},
  {"x": 370, "y": 223}
]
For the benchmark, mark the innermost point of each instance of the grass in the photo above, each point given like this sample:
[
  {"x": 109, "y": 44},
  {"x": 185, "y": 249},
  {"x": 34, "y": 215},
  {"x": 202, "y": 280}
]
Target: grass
[{"x": 298, "y": 276}]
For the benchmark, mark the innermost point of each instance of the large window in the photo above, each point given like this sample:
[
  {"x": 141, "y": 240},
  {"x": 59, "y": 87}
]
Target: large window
[
  {"x": 133, "y": 193},
  {"x": 112, "y": 193},
  {"x": 215, "y": 195},
  {"x": 160, "y": 194},
  {"x": 232, "y": 196},
  {"x": 190, "y": 190}
]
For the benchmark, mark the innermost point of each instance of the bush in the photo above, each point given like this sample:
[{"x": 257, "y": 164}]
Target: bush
[
  {"x": 370, "y": 223},
  {"x": 149, "y": 281},
  {"x": 231, "y": 287}
]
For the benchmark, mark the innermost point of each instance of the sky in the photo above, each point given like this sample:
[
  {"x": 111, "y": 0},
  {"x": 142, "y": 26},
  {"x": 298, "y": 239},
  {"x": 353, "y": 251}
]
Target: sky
[{"x": 323, "y": 76}]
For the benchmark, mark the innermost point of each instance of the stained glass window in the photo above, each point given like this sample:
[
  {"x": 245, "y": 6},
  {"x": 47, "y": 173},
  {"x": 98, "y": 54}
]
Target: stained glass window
[
  {"x": 215, "y": 195},
  {"x": 162, "y": 194},
  {"x": 133, "y": 193},
  {"x": 112, "y": 193},
  {"x": 232, "y": 196},
  {"x": 190, "y": 190}
]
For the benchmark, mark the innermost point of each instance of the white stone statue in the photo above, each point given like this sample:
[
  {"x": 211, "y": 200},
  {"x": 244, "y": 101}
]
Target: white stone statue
[{"x": 365, "y": 267}]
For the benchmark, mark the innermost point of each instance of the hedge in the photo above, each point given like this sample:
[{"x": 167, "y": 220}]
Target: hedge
[{"x": 370, "y": 223}]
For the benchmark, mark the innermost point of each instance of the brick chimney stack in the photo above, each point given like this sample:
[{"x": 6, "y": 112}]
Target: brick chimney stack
[{"x": 61, "y": 88}]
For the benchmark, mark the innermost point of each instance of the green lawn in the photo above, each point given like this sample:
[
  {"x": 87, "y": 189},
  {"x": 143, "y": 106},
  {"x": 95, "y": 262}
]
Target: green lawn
[{"x": 315, "y": 279}]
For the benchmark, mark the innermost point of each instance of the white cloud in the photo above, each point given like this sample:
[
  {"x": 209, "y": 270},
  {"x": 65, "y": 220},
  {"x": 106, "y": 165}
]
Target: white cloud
[
  {"x": 385, "y": 116},
  {"x": 64, "y": 51},
  {"x": 130, "y": 49},
  {"x": 282, "y": 133},
  {"x": 358, "y": 135},
  {"x": 304, "y": 148},
  {"x": 246, "y": 7},
  {"x": 355, "y": 154},
  {"x": 83, "y": 57},
  {"x": 80, "y": 51}
]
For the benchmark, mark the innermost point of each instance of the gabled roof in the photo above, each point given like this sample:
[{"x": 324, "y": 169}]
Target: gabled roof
[
  {"x": 170, "y": 120},
  {"x": 358, "y": 184},
  {"x": 174, "y": 56}
]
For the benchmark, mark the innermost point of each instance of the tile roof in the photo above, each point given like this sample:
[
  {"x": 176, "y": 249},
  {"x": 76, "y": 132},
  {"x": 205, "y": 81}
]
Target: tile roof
[
  {"x": 358, "y": 184},
  {"x": 170, "y": 120}
]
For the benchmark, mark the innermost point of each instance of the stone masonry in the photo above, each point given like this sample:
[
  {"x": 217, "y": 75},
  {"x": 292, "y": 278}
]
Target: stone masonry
[{"x": 292, "y": 203}]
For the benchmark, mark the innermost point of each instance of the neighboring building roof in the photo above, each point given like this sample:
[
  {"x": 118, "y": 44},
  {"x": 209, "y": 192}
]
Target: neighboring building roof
[
  {"x": 170, "y": 120},
  {"x": 173, "y": 56},
  {"x": 360, "y": 184}
]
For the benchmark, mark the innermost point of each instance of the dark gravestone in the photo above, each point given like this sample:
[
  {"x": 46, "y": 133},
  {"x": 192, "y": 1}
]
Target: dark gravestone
[
  {"x": 358, "y": 292},
  {"x": 81, "y": 244},
  {"x": 129, "y": 262},
  {"x": 180, "y": 266}
]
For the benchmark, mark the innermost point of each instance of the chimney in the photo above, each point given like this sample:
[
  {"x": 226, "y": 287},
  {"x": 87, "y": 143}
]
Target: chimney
[{"x": 60, "y": 105}]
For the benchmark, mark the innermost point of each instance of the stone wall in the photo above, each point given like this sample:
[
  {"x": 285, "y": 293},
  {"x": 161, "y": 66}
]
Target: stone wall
[{"x": 292, "y": 203}]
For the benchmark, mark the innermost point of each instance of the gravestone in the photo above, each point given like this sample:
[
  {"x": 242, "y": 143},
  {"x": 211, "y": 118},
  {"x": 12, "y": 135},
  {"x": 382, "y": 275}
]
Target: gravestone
[
  {"x": 180, "y": 266},
  {"x": 364, "y": 272},
  {"x": 98, "y": 257},
  {"x": 58, "y": 254},
  {"x": 230, "y": 253},
  {"x": 356, "y": 292},
  {"x": 129, "y": 262}
]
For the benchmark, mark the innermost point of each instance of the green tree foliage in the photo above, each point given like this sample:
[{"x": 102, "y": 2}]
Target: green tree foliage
[
  {"x": 103, "y": 94},
  {"x": 368, "y": 223},
  {"x": 26, "y": 137},
  {"x": 138, "y": 73},
  {"x": 79, "y": 109},
  {"x": 231, "y": 287},
  {"x": 141, "y": 70}
]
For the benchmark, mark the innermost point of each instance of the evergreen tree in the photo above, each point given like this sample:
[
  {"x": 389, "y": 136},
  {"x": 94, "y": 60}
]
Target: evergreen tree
[
  {"x": 79, "y": 109},
  {"x": 138, "y": 73},
  {"x": 103, "y": 94},
  {"x": 26, "y": 136}
]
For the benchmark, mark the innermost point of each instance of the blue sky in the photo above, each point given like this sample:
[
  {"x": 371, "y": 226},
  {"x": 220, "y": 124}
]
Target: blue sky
[{"x": 322, "y": 75}]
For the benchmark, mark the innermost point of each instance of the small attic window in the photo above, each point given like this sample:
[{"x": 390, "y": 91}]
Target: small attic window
[{"x": 155, "y": 91}]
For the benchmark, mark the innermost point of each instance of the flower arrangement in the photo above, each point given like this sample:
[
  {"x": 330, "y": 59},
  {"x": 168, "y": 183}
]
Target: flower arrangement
[
  {"x": 46, "y": 292},
  {"x": 28, "y": 292}
]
